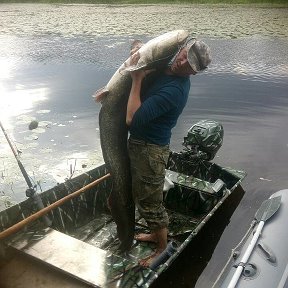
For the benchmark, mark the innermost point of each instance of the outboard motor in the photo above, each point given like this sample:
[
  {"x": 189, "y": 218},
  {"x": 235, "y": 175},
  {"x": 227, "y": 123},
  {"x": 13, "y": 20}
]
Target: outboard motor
[
  {"x": 201, "y": 144},
  {"x": 204, "y": 139}
]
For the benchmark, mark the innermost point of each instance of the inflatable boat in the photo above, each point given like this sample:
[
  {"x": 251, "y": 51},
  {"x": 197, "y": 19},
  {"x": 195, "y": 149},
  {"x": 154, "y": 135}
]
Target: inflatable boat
[{"x": 261, "y": 257}]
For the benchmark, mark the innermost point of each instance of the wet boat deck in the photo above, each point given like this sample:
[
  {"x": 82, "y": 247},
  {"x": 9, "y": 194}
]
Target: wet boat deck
[
  {"x": 67, "y": 254},
  {"x": 20, "y": 270}
]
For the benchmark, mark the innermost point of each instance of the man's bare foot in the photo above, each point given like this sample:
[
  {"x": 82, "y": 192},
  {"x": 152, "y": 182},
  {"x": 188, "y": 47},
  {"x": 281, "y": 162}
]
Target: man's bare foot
[
  {"x": 147, "y": 261},
  {"x": 146, "y": 237}
]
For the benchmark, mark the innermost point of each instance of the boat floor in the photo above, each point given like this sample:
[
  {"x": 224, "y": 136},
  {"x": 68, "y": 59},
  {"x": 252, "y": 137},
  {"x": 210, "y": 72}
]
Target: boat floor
[
  {"x": 23, "y": 271},
  {"x": 101, "y": 232},
  {"x": 86, "y": 248}
]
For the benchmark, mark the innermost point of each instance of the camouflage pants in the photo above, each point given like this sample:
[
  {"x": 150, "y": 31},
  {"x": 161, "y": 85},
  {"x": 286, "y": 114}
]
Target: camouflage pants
[{"x": 148, "y": 162}]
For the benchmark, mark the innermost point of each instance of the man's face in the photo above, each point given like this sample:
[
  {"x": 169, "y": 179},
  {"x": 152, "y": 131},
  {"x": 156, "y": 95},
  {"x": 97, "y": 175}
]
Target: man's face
[{"x": 181, "y": 66}]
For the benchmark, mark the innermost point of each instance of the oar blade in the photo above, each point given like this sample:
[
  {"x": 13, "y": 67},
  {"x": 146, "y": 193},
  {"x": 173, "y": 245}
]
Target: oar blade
[{"x": 268, "y": 208}]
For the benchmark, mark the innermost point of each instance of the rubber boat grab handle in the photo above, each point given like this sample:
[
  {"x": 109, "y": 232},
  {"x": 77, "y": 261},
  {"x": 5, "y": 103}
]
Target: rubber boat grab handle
[
  {"x": 18, "y": 226},
  {"x": 164, "y": 256},
  {"x": 267, "y": 252}
]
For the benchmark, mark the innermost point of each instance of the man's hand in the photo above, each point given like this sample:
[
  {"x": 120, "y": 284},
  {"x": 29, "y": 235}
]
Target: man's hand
[
  {"x": 133, "y": 61},
  {"x": 137, "y": 74},
  {"x": 135, "y": 46}
]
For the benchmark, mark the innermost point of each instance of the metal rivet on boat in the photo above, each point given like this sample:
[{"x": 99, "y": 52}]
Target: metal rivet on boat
[
  {"x": 250, "y": 270},
  {"x": 236, "y": 254}
]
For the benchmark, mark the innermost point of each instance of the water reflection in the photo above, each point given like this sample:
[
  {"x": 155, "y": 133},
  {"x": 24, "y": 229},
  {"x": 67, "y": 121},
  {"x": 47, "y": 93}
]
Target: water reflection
[
  {"x": 18, "y": 98},
  {"x": 256, "y": 58},
  {"x": 20, "y": 101},
  {"x": 6, "y": 66}
]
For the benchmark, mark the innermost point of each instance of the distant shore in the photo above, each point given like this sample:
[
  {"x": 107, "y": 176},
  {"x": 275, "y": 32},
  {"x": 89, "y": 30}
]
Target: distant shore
[{"x": 121, "y": 2}]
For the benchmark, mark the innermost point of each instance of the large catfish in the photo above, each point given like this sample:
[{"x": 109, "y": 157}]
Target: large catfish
[{"x": 114, "y": 132}]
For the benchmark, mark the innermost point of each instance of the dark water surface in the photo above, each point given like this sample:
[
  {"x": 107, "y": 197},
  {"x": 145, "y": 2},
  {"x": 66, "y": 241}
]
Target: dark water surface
[{"x": 48, "y": 74}]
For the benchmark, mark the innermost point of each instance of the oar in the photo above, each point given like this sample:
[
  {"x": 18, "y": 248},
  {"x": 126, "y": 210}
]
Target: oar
[
  {"x": 18, "y": 226},
  {"x": 266, "y": 210}
]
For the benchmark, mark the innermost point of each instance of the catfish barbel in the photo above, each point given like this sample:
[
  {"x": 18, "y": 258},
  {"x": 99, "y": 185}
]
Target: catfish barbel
[{"x": 114, "y": 131}]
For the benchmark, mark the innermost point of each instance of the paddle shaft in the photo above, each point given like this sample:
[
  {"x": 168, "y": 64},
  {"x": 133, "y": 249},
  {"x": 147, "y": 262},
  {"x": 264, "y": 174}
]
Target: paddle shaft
[
  {"x": 267, "y": 209},
  {"x": 18, "y": 226},
  {"x": 246, "y": 255}
]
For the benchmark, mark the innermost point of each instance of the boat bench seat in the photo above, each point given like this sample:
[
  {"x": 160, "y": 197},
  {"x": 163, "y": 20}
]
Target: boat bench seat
[
  {"x": 67, "y": 254},
  {"x": 190, "y": 181}
]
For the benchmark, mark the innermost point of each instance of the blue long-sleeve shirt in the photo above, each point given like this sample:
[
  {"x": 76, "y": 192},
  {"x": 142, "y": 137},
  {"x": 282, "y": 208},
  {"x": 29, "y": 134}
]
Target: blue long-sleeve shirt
[{"x": 161, "y": 106}]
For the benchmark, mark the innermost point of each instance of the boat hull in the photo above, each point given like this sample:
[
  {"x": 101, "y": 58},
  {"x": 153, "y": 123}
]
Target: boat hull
[
  {"x": 86, "y": 222},
  {"x": 267, "y": 265}
]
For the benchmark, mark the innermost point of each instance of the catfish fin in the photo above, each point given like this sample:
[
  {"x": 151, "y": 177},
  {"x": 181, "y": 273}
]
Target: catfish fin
[
  {"x": 135, "y": 67},
  {"x": 143, "y": 64},
  {"x": 127, "y": 67},
  {"x": 100, "y": 94}
]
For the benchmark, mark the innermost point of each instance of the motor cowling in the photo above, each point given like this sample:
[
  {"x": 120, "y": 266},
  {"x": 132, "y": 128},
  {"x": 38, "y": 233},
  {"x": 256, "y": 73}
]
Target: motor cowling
[{"x": 205, "y": 136}]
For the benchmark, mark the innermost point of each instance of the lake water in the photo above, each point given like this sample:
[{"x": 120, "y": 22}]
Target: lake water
[{"x": 53, "y": 58}]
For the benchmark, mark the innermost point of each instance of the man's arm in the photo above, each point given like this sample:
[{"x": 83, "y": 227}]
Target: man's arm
[{"x": 134, "y": 101}]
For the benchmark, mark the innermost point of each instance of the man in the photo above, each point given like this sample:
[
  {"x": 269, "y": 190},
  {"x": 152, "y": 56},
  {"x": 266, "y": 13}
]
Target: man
[{"x": 151, "y": 117}]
